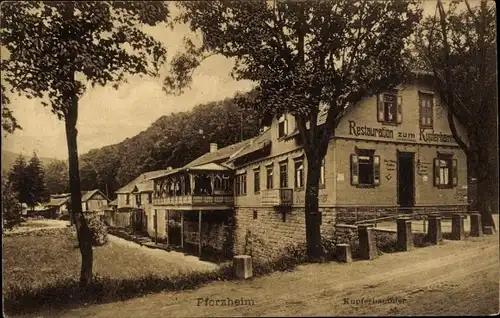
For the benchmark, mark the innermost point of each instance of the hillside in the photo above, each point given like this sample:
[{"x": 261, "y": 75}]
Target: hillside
[
  {"x": 8, "y": 158},
  {"x": 172, "y": 140}
]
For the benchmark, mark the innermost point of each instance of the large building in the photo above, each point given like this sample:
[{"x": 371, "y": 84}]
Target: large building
[{"x": 392, "y": 152}]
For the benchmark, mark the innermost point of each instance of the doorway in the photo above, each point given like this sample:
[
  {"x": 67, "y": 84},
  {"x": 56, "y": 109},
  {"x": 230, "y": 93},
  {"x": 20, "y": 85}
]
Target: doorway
[{"x": 406, "y": 180}]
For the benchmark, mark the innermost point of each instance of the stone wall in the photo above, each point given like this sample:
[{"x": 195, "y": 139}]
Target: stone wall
[
  {"x": 265, "y": 233},
  {"x": 216, "y": 233}
]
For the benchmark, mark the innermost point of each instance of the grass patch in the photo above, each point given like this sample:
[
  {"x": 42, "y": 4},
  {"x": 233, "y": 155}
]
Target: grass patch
[
  {"x": 41, "y": 271},
  {"x": 63, "y": 293}
]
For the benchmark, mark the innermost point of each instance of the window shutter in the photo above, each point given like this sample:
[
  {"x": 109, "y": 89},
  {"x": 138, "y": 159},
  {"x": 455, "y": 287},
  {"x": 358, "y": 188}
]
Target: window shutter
[
  {"x": 436, "y": 172},
  {"x": 380, "y": 108},
  {"x": 286, "y": 126},
  {"x": 454, "y": 172},
  {"x": 400, "y": 109},
  {"x": 376, "y": 170},
  {"x": 354, "y": 170}
]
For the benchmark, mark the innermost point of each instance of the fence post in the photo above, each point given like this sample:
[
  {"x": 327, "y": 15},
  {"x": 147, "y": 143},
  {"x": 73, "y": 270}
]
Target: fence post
[
  {"x": 404, "y": 234},
  {"x": 457, "y": 227},
  {"x": 434, "y": 232},
  {"x": 367, "y": 244},
  {"x": 476, "y": 228}
]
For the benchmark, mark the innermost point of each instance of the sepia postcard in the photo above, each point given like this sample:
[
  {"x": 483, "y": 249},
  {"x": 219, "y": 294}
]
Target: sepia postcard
[{"x": 249, "y": 158}]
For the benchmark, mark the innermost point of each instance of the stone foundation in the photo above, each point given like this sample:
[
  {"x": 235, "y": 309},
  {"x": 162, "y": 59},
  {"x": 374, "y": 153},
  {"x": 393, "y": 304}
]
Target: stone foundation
[{"x": 266, "y": 233}]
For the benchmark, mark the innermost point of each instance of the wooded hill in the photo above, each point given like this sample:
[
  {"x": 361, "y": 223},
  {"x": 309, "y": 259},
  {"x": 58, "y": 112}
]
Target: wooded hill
[
  {"x": 8, "y": 158},
  {"x": 171, "y": 141}
]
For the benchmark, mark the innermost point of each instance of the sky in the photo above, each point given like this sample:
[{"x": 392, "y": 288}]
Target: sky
[{"x": 108, "y": 116}]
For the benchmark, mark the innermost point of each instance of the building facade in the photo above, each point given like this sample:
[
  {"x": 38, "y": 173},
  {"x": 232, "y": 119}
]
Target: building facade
[
  {"x": 391, "y": 153},
  {"x": 137, "y": 196},
  {"x": 94, "y": 200}
]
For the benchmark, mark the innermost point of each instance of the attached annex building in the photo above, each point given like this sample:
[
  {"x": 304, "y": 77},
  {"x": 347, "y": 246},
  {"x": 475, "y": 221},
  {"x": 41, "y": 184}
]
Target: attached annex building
[{"x": 390, "y": 152}]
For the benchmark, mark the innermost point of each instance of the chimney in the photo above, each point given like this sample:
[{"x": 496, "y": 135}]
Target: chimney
[
  {"x": 213, "y": 147},
  {"x": 169, "y": 168}
]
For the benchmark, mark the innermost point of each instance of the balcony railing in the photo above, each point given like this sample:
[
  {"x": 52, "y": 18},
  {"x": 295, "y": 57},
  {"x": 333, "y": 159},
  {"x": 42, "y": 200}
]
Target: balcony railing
[
  {"x": 197, "y": 200},
  {"x": 277, "y": 197}
]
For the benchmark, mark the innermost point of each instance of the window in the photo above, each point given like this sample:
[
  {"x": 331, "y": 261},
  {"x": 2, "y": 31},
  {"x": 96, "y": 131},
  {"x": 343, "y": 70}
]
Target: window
[
  {"x": 218, "y": 183},
  {"x": 256, "y": 180},
  {"x": 322, "y": 173},
  {"x": 445, "y": 171},
  {"x": 389, "y": 108},
  {"x": 255, "y": 214},
  {"x": 241, "y": 184},
  {"x": 269, "y": 179},
  {"x": 127, "y": 199},
  {"x": 283, "y": 175},
  {"x": 299, "y": 174},
  {"x": 282, "y": 126},
  {"x": 150, "y": 197},
  {"x": 365, "y": 168},
  {"x": 226, "y": 183},
  {"x": 426, "y": 103},
  {"x": 138, "y": 199}
]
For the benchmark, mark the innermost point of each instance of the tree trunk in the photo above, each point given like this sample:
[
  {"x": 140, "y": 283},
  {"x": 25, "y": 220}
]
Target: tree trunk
[
  {"x": 471, "y": 185},
  {"x": 312, "y": 213},
  {"x": 487, "y": 190},
  {"x": 82, "y": 229}
]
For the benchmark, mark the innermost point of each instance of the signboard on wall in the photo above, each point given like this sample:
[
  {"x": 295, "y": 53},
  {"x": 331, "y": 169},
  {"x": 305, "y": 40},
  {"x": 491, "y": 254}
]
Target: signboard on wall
[{"x": 391, "y": 134}]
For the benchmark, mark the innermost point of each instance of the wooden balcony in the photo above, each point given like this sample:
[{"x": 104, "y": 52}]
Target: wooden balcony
[
  {"x": 277, "y": 197},
  {"x": 195, "y": 201}
]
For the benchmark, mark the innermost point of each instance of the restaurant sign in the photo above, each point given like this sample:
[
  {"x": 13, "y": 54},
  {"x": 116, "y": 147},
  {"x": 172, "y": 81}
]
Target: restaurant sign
[{"x": 388, "y": 133}]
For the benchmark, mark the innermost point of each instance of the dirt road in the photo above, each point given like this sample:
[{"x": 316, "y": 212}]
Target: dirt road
[{"x": 455, "y": 278}]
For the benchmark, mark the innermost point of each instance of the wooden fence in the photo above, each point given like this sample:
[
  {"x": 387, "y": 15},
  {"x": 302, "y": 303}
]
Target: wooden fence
[{"x": 118, "y": 219}]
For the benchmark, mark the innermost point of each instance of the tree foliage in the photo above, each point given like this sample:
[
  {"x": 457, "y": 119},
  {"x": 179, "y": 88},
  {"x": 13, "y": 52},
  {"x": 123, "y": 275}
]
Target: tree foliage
[
  {"x": 459, "y": 46},
  {"x": 56, "y": 177},
  {"x": 48, "y": 42},
  {"x": 18, "y": 180},
  {"x": 11, "y": 207},
  {"x": 303, "y": 55},
  {"x": 37, "y": 191},
  {"x": 172, "y": 140},
  {"x": 9, "y": 122},
  {"x": 28, "y": 181},
  {"x": 56, "y": 49}
]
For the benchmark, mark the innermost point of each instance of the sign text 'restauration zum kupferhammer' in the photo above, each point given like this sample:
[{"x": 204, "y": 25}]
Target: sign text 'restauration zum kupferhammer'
[{"x": 387, "y": 133}]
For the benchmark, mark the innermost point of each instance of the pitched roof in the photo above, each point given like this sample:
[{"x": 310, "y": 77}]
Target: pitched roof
[
  {"x": 145, "y": 186},
  {"x": 129, "y": 187},
  {"x": 255, "y": 144},
  {"x": 114, "y": 202},
  {"x": 58, "y": 201},
  {"x": 87, "y": 195},
  {"x": 218, "y": 156},
  {"x": 165, "y": 173},
  {"x": 210, "y": 166}
]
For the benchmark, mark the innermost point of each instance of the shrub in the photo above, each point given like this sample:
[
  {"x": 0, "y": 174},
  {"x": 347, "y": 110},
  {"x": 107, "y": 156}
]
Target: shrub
[
  {"x": 97, "y": 228},
  {"x": 350, "y": 238},
  {"x": 386, "y": 242},
  {"x": 328, "y": 244},
  {"x": 421, "y": 240}
]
